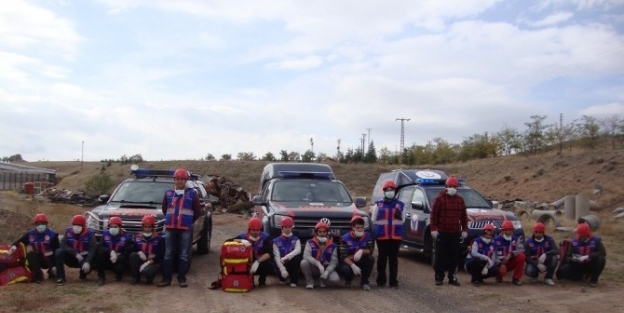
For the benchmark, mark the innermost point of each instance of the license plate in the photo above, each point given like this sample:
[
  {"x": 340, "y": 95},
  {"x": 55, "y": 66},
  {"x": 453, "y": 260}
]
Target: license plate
[{"x": 332, "y": 232}]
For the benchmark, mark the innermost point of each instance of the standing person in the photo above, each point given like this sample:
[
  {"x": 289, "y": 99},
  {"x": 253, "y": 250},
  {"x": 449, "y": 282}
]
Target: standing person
[
  {"x": 482, "y": 258},
  {"x": 42, "y": 241},
  {"x": 388, "y": 218},
  {"x": 356, "y": 254},
  {"x": 586, "y": 255},
  {"x": 77, "y": 250},
  {"x": 448, "y": 224},
  {"x": 320, "y": 258},
  {"x": 181, "y": 208},
  {"x": 541, "y": 255},
  {"x": 287, "y": 252},
  {"x": 510, "y": 253},
  {"x": 262, "y": 249},
  {"x": 113, "y": 251},
  {"x": 147, "y": 256}
]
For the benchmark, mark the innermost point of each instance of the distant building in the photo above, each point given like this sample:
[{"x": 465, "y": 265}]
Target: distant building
[{"x": 14, "y": 176}]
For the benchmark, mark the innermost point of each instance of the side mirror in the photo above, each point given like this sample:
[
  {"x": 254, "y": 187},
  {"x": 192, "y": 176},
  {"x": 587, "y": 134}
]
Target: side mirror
[
  {"x": 360, "y": 202},
  {"x": 257, "y": 200},
  {"x": 103, "y": 198},
  {"x": 495, "y": 204},
  {"x": 418, "y": 205}
]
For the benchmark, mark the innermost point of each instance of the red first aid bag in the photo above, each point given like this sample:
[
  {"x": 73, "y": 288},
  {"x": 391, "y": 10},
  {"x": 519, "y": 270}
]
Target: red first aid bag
[
  {"x": 17, "y": 258},
  {"x": 12, "y": 275},
  {"x": 236, "y": 260}
]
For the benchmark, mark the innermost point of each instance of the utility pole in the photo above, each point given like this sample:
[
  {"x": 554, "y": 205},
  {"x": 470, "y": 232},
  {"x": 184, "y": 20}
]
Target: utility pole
[
  {"x": 363, "y": 143},
  {"x": 402, "y": 131},
  {"x": 82, "y": 157},
  {"x": 369, "y": 138},
  {"x": 311, "y": 144},
  {"x": 560, "y": 132},
  {"x": 338, "y": 151}
]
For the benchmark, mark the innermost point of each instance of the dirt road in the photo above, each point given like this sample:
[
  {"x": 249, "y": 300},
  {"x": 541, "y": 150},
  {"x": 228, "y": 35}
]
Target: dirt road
[{"x": 417, "y": 292}]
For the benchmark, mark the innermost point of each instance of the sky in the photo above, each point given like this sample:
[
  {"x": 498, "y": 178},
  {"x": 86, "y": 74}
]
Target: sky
[{"x": 177, "y": 80}]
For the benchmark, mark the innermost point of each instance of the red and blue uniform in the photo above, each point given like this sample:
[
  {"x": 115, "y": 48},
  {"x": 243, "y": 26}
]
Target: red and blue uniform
[
  {"x": 515, "y": 261},
  {"x": 180, "y": 210},
  {"x": 585, "y": 248},
  {"x": 285, "y": 244},
  {"x": 389, "y": 220},
  {"x": 42, "y": 242},
  {"x": 258, "y": 245},
  {"x": 324, "y": 256},
  {"x": 353, "y": 244},
  {"x": 116, "y": 243},
  {"x": 151, "y": 247},
  {"x": 537, "y": 248},
  {"x": 80, "y": 243}
]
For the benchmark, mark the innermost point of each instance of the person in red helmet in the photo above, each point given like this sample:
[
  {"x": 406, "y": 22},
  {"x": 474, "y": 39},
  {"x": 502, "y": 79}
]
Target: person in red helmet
[
  {"x": 510, "y": 253},
  {"x": 113, "y": 251},
  {"x": 586, "y": 255},
  {"x": 320, "y": 258},
  {"x": 77, "y": 250},
  {"x": 42, "y": 242},
  {"x": 147, "y": 257},
  {"x": 262, "y": 249},
  {"x": 388, "y": 218},
  {"x": 182, "y": 208},
  {"x": 448, "y": 224},
  {"x": 287, "y": 253},
  {"x": 541, "y": 255},
  {"x": 356, "y": 254},
  {"x": 481, "y": 260}
]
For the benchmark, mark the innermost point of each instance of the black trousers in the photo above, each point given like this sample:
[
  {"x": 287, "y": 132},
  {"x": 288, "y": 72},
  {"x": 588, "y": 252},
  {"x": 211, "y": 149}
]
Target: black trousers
[
  {"x": 447, "y": 247},
  {"x": 37, "y": 261},
  {"x": 62, "y": 258},
  {"x": 388, "y": 252},
  {"x": 365, "y": 264},
  {"x": 576, "y": 271},
  {"x": 103, "y": 263},
  {"x": 265, "y": 268},
  {"x": 149, "y": 272},
  {"x": 292, "y": 267},
  {"x": 475, "y": 266}
]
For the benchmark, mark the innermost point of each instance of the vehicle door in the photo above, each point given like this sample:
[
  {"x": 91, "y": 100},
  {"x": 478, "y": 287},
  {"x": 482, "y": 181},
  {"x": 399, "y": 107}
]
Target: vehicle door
[
  {"x": 415, "y": 217},
  {"x": 405, "y": 195},
  {"x": 203, "y": 195}
]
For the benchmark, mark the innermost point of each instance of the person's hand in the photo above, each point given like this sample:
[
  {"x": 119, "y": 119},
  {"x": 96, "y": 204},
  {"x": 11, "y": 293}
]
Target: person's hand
[
  {"x": 285, "y": 259},
  {"x": 142, "y": 256},
  {"x": 246, "y": 243},
  {"x": 464, "y": 235},
  {"x": 358, "y": 255},
  {"x": 113, "y": 256},
  {"x": 584, "y": 258},
  {"x": 506, "y": 258},
  {"x": 542, "y": 258},
  {"x": 320, "y": 267},
  {"x": 11, "y": 250},
  {"x": 284, "y": 273},
  {"x": 254, "y": 266},
  {"x": 79, "y": 257},
  {"x": 485, "y": 270},
  {"x": 541, "y": 267},
  {"x": 356, "y": 270},
  {"x": 143, "y": 266},
  {"x": 325, "y": 275},
  {"x": 434, "y": 234},
  {"x": 86, "y": 267},
  {"x": 490, "y": 263}
]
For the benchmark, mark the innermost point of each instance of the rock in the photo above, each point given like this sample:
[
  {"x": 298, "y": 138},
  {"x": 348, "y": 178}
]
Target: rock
[
  {"x": 618, "y": 210},
  {"x": 619, "y": 216}
]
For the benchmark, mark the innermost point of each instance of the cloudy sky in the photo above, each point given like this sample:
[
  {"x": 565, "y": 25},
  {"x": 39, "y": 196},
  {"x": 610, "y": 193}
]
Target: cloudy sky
[{"x": 181, "y": 79}]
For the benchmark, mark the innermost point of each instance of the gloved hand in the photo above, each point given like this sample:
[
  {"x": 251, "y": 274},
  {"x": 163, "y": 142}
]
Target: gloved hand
[
  {"x": 284, "y": 273},
  {"x": 284, "y": 259},
  {"x": 246, "y": 243},
  {"x": 325, "y": 275},
  {"x": 254, "y": 266},
  {"x": 541, "y": 267},
  {"x": 464, "y": 235},
  {"x": 434, "y": 234},
  {"x": 142, "y": 256},
  {"x": 485, "y": 270},
  {"x": 143, "y": 266},
  {"x": 79, "y": 257},
  {"x": 358, "y": 255},
  {"x": 86, "y": 267},
  {"x": 113, "y": 256},
  {"x": 584, "y": 258},
  {"x": 490, "y": 263},
  {"x": 320, "y": 267},
  {"x": 356, "y": 270},
  {"x": 11, "y": 250},
  {"x": 541, "y": 258}
]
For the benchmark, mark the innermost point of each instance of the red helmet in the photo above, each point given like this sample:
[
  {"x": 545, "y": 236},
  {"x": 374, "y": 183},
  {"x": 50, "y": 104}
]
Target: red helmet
[
  {"x": 79, "y": 220},
  {"x": 41, "y": 218},
  {"x": 489, "y": 227},
  {"x": 115, "y": 220},
  {"x": 254, "y": 223},
  {"x": 180, "y": 173},
  {"x": 507, "y": 224},
  {"x": 148, "y": 220},
  {"x": 320, "y": 225},
  {"x": 288, "y": 222},
  {"x": 357, "y": 219},
  {"x": 452, "y": 182},
  {"x": 388, "y": 184},
  {"x": 539, "y": 228},
  {"x": 583, "y": 230}
]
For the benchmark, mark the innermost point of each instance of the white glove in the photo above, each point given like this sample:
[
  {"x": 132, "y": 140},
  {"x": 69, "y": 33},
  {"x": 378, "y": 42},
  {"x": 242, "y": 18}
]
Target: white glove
[
  {"x": 142, "y": 256},
  {"x": 86, "y": 267},
  {"x": 246, "y": 243},
  {"x": 541, "y": 267},
  {"x": 113, "y": 256},
  {"x": 583, "y": 258},
  {"x": 143, "y": 266},
  {"x": 485, "y": 270},
  {"x": 358, "y": 255},
  {"x": 325, "y": 275},
  {"x": 11, "y": 250},
  {"x": 490, "y": 263},
  {"x": 284, "y": 259},
  {"x": 464, "y": 235},
  {"x": 254, "y": 266},
  {"x": 284, "y": 273},
  {"x": 541, "y": 258},
  {"x": 320, "y": 267},
  {"x": 434, "y": 234},
  {"x": 79, "y": 257},
  {"x": 356, "y": 270}
]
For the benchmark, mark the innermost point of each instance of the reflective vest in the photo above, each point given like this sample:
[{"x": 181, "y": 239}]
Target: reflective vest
[
  {"x": 324, "y": 254},
  {"x": 505, "y": 247},
  {"x": 257, "y": 245},
  {"x": 42, "y": 242},
  {"x": 179, "y": 209},
  {"x": 150, "y": 246},
  {"x": 285, "y": 244},
  {"x": 354, "y": 243},
  {"x": 585, "y": 248},
  {"x": 387, "y": 227},
  {"x": 80, "y": 243},
  {"x": 486, "y": 249},
  {"x": 116, "y": 243},
  {"x": 536, "y": 249}
]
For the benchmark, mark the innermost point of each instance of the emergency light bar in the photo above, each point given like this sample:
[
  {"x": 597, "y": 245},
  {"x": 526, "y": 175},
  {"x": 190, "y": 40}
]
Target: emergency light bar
[
  {"x": 146, "y": 172},
  {"x": 429, "y": 181},
  {"x": 295, "y": 174}
]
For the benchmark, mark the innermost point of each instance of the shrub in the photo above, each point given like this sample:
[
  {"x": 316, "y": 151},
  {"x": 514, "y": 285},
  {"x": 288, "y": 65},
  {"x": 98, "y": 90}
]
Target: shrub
[{"x": 98, "y": 184}]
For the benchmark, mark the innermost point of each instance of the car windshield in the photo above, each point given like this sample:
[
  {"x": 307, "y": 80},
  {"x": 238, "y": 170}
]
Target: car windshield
[
  {"x": 472, "y": 198},
  {"x": 141, "y": 192},
  {"x": 309, "y": 191}
]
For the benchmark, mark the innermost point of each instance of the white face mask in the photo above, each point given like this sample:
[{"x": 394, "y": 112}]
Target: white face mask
[
  {"x": 358, "y": 234},
  {"x": 114, "y": 231},
  {"x": 147, "y": 235},
  {"x": 507, "y": 237},
  {"x": 451, "y": 191},
  {"x": 322, "y": 239},
  {"x": 389, "y": 194},
  {"x": 486, "y": 240},
  {"x": 41, "y": 228},
  {"x": 179, "y": 192},
  {"x": 286, "y": 235},
  {"x": 77, "y": 229},
  {"x": 538, "y": 240},
  {"x": 254, "y": 238}
]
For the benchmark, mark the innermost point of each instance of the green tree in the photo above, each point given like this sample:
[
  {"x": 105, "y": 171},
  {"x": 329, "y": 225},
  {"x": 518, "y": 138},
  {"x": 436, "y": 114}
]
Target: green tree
[
  {"x": 589, "y": 130},
  {"x": 308, "y": 156},
  {"x": 226, "y": 157},
  {"x": 284, "y": 156},
  {"x": 371, "y": 154},
  {"x": 246, "y": 156},
  {"x": 534, "y": 136},
  {"x": 294, "y": 156},
  {"x": 268, "y": 157},
  {"x": 209, "y": 157},
  {"x": 98, "y": 185}
]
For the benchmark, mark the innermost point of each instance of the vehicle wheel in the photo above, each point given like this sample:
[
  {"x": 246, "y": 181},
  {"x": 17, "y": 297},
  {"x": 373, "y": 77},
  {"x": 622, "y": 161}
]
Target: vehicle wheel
[{"x": 203, "y": 244}]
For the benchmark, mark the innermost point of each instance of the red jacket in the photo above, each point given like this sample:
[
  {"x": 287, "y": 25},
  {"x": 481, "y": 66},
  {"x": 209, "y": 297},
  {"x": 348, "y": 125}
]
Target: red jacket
[{"x": 448, "y": 214}]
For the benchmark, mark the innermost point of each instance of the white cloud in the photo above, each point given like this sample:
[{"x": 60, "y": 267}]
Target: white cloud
[
  {"x": 552, "y": 19},
  {"x": 305, "y": 63},
  {"x": 604, "y": 110}
]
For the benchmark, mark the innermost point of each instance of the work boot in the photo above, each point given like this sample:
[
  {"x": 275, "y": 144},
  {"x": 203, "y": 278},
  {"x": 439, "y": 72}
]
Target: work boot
[
  {"x": 366, "y": 287},
  {"x": 60, "y": 282},
  {"x": 348, "y": 283},
  {"x": 549, "y": 282},
  {"x": 454, "y": 282},
  {"x": 164, "y": 283},
  {"x": 516, "y": 282},
  {"x": 101, "y": 281},
  {"x": 134, "y": 281}
]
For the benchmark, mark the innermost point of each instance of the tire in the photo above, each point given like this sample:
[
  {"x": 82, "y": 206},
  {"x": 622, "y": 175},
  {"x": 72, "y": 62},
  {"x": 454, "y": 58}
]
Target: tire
[{"x": 203, "y": 244}]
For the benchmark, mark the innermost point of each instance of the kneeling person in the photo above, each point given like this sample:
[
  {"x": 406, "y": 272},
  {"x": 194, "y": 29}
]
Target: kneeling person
[
  {"x": 355, "y": 253},
  {"x": 148, "y": 254},
  {"x": 481, "y": 261},
  {"x": 541, "y": 255},
  {"x": 320, "y": 258},
  {"x": 77, "y": 250},
  {"x": 287, "y": 252},
  {"x": 586, "y": 255}
]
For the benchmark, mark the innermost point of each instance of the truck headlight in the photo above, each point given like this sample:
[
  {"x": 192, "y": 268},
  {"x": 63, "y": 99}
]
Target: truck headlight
[
  {"x": 517, "y": 224},
  {"x": 277, "y": 220},
  {"x": 93, "y": 222}
]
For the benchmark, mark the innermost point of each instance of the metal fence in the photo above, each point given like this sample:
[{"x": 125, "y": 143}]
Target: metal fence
[{"x": 16, "y": 180}]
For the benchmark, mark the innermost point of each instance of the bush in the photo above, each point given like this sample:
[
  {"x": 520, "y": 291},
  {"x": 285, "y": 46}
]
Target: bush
[{"x": 98, "y": 184}]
